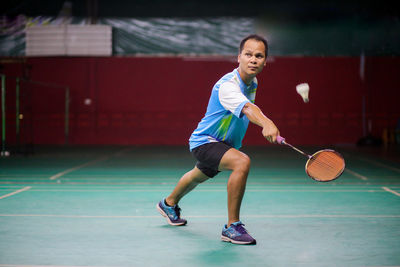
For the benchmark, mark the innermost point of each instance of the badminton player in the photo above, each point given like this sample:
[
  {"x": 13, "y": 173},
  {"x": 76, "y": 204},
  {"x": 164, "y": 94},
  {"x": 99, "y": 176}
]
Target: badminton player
[{"x": 216, "y": 141}]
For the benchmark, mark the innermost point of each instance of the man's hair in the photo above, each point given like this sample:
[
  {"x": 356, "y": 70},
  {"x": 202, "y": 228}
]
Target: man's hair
[{"x": 254, "y": 37}]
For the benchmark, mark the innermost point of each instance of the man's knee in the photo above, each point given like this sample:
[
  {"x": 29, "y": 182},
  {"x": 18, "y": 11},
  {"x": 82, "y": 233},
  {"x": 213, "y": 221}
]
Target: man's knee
[
  {"x": 242, "y": 163},
  {"x": 235, "y": 160}
]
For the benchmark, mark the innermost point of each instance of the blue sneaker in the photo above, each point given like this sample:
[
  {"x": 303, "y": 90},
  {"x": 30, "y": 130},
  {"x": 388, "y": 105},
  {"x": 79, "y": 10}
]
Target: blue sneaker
[
  {"x": 237, "y": 234},
  {"x": 173, "y": 214}
]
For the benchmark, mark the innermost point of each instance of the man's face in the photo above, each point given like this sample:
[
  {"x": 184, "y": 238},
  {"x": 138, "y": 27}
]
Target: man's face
[{"x": 252, "y": 59}]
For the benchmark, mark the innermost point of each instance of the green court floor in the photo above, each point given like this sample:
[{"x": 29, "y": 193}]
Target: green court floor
[{"x": 95, "y": 206}]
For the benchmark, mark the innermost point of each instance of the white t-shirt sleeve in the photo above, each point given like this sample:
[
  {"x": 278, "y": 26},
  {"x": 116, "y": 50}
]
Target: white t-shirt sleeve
[{"x": 232, "y": 98}]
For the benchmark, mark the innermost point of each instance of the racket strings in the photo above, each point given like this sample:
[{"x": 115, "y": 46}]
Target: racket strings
[
  {"x": 325, "y": 165},
  {"x": 327, "y": 161}
]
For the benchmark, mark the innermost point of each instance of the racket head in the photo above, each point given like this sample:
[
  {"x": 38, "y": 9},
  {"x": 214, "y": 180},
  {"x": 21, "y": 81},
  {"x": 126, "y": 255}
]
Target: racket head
[{"x": 325, "y": 165}]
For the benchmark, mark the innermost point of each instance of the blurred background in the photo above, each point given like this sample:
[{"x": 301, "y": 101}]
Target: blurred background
[{"x": 105, "y": 72}]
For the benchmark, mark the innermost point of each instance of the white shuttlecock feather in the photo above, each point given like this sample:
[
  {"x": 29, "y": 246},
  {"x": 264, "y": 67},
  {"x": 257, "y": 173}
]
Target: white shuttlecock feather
[{"x": 303, "y": 89}]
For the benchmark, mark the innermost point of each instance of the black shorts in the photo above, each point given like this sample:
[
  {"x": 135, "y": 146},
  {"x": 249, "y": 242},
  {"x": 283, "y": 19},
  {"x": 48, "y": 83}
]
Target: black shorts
[{"x": 209, "y": 156}]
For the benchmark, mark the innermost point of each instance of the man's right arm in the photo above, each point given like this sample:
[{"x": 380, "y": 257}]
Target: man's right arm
[{"x": 255, "y": 115}]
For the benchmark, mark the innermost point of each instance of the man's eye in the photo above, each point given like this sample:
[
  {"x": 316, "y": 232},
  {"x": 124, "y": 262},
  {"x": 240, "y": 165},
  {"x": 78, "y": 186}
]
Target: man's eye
[{"x": 248, "y": 54}]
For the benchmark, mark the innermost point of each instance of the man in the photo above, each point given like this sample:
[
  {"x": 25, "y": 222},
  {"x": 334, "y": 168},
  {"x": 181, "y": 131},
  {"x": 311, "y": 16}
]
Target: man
[{"x": 219, "y": 135}]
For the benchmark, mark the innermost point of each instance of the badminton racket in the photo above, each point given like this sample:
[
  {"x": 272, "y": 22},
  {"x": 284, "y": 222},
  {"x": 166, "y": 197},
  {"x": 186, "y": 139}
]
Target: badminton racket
[{"x": 323, "y": 166}]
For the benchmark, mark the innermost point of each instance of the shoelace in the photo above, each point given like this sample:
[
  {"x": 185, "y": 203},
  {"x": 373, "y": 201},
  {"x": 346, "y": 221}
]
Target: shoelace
[
  {"x": 178, "y": 211},
  {"x": 239, "y": 227}
]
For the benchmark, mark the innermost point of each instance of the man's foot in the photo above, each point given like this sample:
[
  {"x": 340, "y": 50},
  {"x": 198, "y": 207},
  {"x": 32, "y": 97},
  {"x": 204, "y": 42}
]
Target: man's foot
[
  {"x": 237, "y": 234},
  {"x": 173, "y": 214}
]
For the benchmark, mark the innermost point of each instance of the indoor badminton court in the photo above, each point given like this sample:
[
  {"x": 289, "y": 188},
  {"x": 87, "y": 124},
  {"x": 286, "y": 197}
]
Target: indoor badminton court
[
  {"x": 96, "y": 207},
  {"x": 99, "y": 98}
]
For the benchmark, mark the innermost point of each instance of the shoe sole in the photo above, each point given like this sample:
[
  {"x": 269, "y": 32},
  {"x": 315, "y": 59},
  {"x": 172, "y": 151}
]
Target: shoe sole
[
  {"x": 227, "y": 239},
  {"x": 168, "y": 219}
]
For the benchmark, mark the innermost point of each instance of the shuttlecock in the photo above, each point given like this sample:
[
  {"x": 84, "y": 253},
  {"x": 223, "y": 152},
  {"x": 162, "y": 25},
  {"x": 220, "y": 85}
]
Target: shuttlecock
[{"x": 303, "y": 89}]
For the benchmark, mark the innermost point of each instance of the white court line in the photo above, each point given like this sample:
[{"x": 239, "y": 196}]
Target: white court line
[
  {"x": 16, "y": 192},
  {"x": 214, "y": 190},
  {"x": 391, "y": 191},
  {"x": 356, "y": 174},
  {"x": 58, "y": 175},
  {"x": 119, "y": 153},
  {"x": 206, "y": 216},
  {"x": 18, "y": 265}
]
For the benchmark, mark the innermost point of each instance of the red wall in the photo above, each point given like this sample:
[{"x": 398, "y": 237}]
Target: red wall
[{"x": 143, "y": 100}]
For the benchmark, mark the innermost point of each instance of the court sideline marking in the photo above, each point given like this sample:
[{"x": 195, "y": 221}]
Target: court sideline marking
[
  {"x": 362, "y": 177},
  {"x": 284, "y": 216},
  {"x": 58, "y": 175},
  {"x": 119, "y": 153},
  {"x": 16, "y": 192},
  {"x": 391, "y": 191},
  {"x": 17, "y": 265}
]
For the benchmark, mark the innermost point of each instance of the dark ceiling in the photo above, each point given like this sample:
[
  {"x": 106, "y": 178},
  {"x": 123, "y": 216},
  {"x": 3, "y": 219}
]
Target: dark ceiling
[{"x": 289, "y": 9}]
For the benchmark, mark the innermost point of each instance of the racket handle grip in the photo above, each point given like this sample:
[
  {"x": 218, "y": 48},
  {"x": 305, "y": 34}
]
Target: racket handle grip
[{"x": 280, "y": 140}]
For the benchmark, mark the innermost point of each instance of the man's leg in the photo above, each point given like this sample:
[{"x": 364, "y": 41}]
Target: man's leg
[
  {"x": 169, "y": 207},
  {"x": 186, "y": 184},
  {"x": 239, "y": 164}
]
